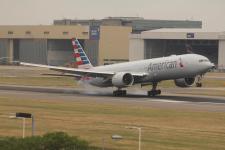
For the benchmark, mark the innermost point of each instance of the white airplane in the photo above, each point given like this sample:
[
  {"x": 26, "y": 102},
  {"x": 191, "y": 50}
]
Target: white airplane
[{"x": 183, "y": 69}]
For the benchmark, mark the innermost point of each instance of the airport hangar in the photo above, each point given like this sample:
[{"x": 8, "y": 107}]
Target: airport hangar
[
  {"x": 105, "y": 41},
  {"x": 165, "y": 42},
  {"x": 110, "y": 40}
]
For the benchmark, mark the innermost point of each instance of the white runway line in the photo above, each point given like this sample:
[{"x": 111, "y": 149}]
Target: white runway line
[
  {"x": 168, "y": 101},
  {"x": 186, "y": 102}
]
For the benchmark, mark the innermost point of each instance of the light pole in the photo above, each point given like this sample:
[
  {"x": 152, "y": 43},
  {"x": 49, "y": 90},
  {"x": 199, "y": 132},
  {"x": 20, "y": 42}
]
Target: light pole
[
  {"x": 117, "y": 137},
  {"x": 139, "y": 137},
  {"x": 24, "y": 116},
  {"x": 24, "y": 126},
  {"x": 103, "y": 143}
]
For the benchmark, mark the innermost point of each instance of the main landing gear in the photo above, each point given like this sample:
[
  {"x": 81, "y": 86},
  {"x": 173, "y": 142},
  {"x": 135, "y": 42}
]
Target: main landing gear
[
  {"x": 154, "y": 92},
  {"x": 151, "y": 93},
  {"x": 120, "y": 92}
]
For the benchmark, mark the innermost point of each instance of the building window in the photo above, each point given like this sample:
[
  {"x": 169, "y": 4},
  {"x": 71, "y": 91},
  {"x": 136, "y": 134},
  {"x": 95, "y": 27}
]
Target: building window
[
  {"x": 46, "y": 32},
  {"x": 65, "y": 33},
  {"x": 10, "y": 32},
  {"x": 85, "y": 33},
  {"x": 28, "y": 32}
]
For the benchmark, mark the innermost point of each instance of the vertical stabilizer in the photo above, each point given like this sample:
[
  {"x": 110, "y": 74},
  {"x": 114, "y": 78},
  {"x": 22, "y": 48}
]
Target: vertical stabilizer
[{"x": 82, "y": 61}]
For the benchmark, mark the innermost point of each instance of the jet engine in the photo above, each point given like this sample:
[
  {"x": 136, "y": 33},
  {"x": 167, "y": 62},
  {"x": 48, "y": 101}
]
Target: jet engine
[
  {"x": 185, "y": 82},
  {"x": 122, "y": 79}
]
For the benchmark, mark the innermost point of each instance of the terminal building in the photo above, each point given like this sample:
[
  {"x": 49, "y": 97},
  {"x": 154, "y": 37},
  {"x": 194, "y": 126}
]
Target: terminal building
[{"x": 107, "y": 41}]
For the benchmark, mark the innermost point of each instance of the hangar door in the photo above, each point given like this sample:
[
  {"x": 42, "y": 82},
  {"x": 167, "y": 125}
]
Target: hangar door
[
  {"x": 91, "y": 48},
  {"x": 160, "y": 48},
  {"x": 4, "y": 46},
  {"x": 59, "y": 52},
  {"x": 31, "y": 50}
]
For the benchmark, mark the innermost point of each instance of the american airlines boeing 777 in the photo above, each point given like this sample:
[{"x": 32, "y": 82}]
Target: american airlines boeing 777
[{"x": 183, "y": 69}]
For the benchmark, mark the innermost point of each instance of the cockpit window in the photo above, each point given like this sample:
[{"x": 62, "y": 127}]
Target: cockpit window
[{"x": 203, "y": 60}]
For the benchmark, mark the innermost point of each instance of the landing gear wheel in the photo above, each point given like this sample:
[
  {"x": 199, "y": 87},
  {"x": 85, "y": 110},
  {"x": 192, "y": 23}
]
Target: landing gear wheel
[
  {"x": 198, "y": 84},
  {"x": 154, "y": 93},
  {"x": 120, "y": 93},
  {"x": 158, "y": 92},
  {"x": 198, "y": 81},
  {"x": 124, "y": 92}
]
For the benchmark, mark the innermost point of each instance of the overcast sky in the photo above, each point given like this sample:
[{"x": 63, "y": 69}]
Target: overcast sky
[{"x": 35, "y": 12}]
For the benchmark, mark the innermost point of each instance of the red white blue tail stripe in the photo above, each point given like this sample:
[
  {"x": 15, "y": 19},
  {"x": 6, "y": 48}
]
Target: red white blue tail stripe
[{"x": 82, "y": 60}]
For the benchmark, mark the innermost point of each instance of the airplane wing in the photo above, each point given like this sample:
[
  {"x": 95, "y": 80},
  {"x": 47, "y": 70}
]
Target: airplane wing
[{"x": 80, "y": 72}]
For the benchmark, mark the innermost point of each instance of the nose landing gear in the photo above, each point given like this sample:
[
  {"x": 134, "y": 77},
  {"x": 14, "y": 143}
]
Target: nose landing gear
[{"x": 198, "y": 82}]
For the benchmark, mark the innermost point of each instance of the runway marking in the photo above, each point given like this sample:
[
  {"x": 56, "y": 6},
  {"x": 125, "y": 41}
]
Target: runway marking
[
  {"x": 168, "y": 101},
  {"x": 187, "y": 102}
]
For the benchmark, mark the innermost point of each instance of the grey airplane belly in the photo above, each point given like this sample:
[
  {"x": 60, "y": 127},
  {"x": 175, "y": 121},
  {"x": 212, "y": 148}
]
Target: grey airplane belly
[{"x": 100, "y": 82}]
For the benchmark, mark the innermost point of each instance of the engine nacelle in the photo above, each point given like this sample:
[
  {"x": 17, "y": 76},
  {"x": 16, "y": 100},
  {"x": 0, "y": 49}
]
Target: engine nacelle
[
  {"x": 185, "y": 82},
  {"x": 122, "y": 79}
]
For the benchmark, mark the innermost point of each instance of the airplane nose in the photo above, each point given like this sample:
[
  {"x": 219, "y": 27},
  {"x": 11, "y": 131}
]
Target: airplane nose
[{"x": 213, "y": 66}]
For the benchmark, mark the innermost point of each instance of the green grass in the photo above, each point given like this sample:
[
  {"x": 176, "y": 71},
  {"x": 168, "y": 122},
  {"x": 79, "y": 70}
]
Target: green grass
[
  {"x": 162, "y": 129},
  {"x": 39, "y": 81}
]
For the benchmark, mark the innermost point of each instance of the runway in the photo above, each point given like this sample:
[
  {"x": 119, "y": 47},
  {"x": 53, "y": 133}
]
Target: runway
[{"x": 134, "y": 97}]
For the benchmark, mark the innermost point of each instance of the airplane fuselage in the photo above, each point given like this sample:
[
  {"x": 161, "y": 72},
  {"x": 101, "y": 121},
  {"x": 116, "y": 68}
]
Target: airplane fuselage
[{"x": 158, "y": 69}]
